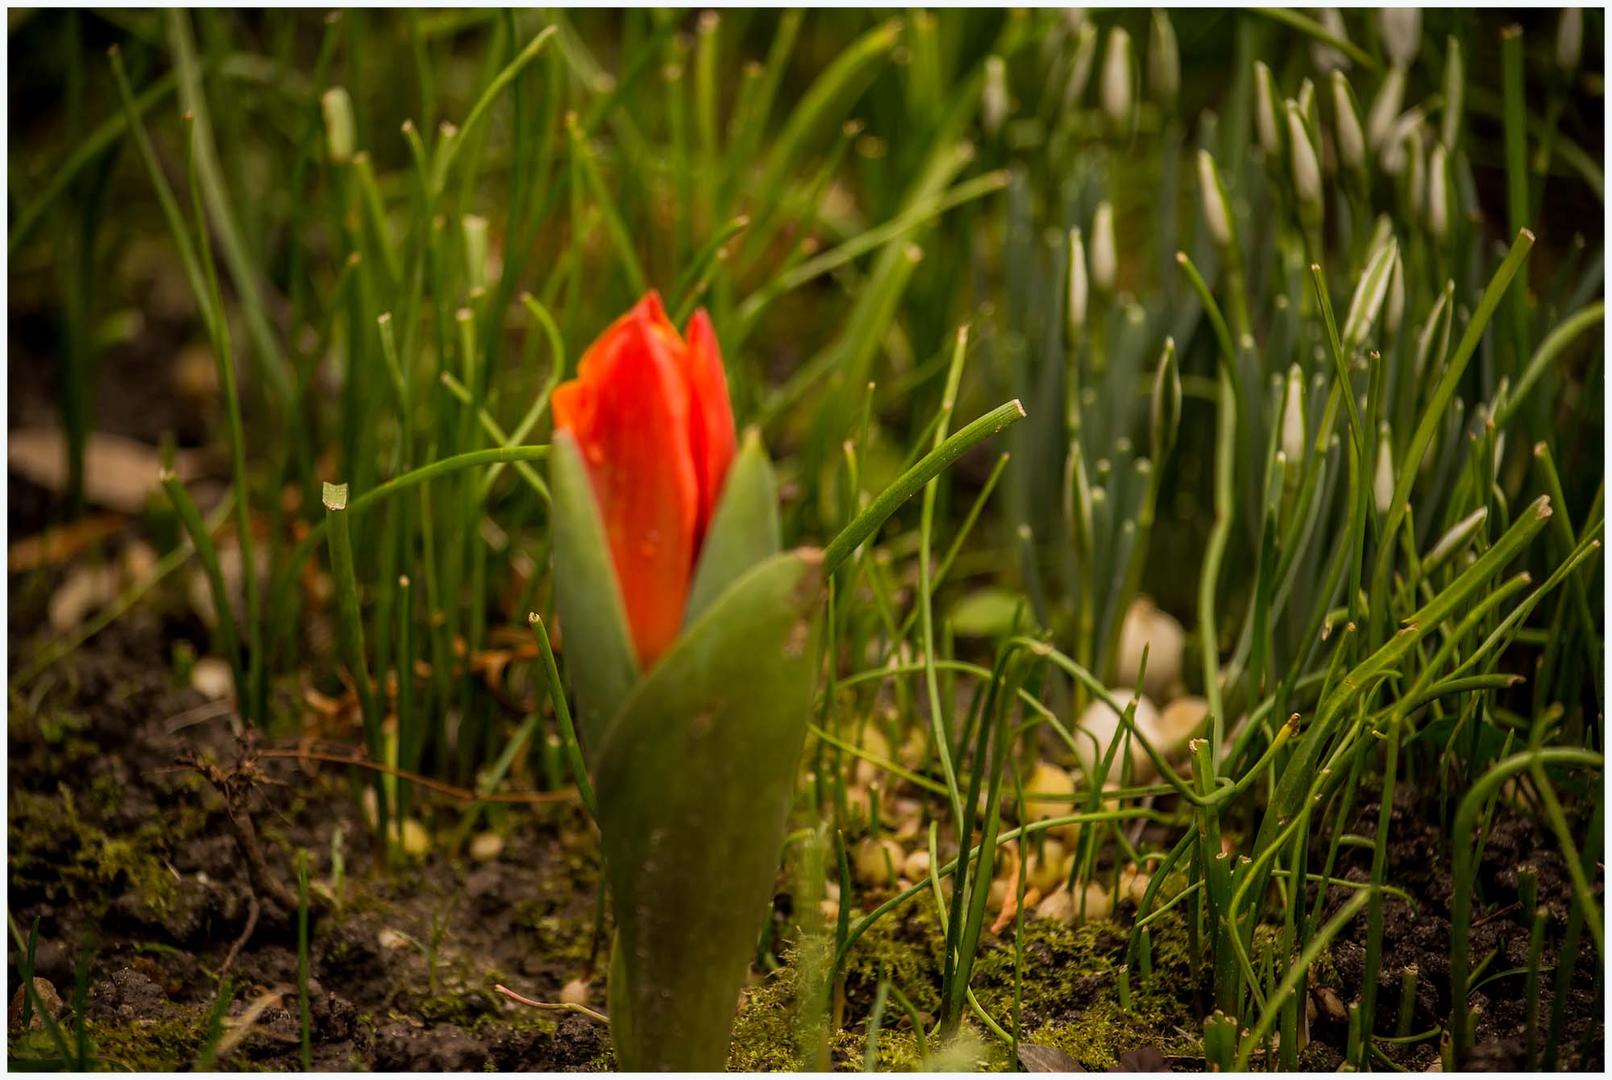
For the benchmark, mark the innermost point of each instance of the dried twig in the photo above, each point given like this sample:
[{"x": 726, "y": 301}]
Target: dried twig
[
  {"x": 236, "y": 784},
  {"x": 356, "y": 757},
  {"x": 552, "y": 1006}
]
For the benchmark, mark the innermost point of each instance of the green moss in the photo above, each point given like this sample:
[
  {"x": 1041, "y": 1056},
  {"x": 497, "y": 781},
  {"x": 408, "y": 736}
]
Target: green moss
[
  {"x": 54, "y": 846},
  {"x": 764, "y": 1030},
  {"x": 907, "y": 948},
  {"x": 148, "y": 1045}
]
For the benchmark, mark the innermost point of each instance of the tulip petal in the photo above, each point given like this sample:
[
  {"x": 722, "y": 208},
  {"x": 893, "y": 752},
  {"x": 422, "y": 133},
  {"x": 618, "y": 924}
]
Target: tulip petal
[
  {"x": 711, "y": 430},
  {"x": 629, "y": 410}
]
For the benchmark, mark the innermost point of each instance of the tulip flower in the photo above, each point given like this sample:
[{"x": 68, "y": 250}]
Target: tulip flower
[
  {"x": 691, "y": 644},
  {"x": 650, "y": 414}
]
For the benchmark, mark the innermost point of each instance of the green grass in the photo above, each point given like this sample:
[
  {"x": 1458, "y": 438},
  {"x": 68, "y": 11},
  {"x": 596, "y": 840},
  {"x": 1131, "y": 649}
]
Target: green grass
[{"x": 399, "y": 231}]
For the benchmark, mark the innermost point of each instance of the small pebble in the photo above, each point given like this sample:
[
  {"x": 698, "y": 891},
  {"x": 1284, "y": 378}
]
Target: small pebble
[
  {"x": 876, "y": 859},
  {"x": 213, "y": 678},
  {"x": 392, "y": 940},
  {"x": 574, "y": 992},
  {"x": 486, "y": 846},
  {"x": 44, "y": 994},
  {"x": 916, "y": 867},
  {"x": 416, "y": 841},
  {"x": 1161, "y": 634}
]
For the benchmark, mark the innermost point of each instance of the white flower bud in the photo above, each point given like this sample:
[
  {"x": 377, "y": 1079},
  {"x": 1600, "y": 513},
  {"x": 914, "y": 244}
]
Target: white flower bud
[
  {"x": 1415, "y": 172},
  {"x": 1293, "y": 416},
  {"x": 1401, "y": 30},
  {"x": 1438, "y": 186},
  {"x": 1265, "y": 109},
  {"x": 1351, "y": 140},
  {"x": 1382, "y": 484},
  {"x": 994, "y": 98},
  {"x": 1395, "y": 153},
  {"x": 1570, "y": 39},
  {"x": 1394, "y": 313},
  {"x": 1369, "y": 294},
  {"x": 1116, "y": 87},
  {"x": 1306, "y": 103},
  {"x": 338, "y": 112},
  {"x": 1080, "y": 66},
  {"x": 1325, "y": 57},
  {"x": 1078, "y": 289},
  {"x": 1302, "y": 160},
  {"x": 1104, "y": 251},
  {"x": 1385, "y": 108},
  {"x": 1451, "y": 541},
  {"x": 1163, "y": 60},
  {"x": 1216, "y": 214}
]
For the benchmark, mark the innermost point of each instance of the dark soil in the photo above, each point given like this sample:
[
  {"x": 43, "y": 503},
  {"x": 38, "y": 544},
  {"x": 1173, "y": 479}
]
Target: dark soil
[{"x": 128, "y": 863}]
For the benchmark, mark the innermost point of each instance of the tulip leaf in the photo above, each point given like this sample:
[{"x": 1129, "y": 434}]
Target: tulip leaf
[
  {"x": 593, "y": 617},
  {"x": 744, "y": 529},
  {"x": 694, "y": 778}
]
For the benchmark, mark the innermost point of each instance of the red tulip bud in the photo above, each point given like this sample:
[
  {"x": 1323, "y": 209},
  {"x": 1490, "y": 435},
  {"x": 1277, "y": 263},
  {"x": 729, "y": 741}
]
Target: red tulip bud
[{"x": 650, "y": 414}]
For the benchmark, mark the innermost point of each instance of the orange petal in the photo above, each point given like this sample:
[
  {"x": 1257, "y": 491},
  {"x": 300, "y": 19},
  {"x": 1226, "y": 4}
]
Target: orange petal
[
  {"x": 629, "y": 409},
  {"x": 711, "y": 431}
]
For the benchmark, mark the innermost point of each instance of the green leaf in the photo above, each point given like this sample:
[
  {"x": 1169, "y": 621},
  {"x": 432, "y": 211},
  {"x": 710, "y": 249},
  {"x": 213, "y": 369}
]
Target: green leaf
[
  {"x": 593, "y": 617},
  {"x": 694, "y": 779},
  {"x": 744, "y": 530},
  {"x": 990, "y": 612}
]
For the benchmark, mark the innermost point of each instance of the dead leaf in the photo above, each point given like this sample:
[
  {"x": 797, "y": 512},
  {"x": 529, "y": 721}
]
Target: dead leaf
[
  {"x": 119, "y": 474},
  {"x": 1145, "y": 1059},
  {"x": 57, "y": 545},
  {"x": 1047, "y": 1059}
]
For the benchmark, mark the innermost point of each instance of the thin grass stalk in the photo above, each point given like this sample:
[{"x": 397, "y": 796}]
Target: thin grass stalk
[{"x": 351, "y": 628}]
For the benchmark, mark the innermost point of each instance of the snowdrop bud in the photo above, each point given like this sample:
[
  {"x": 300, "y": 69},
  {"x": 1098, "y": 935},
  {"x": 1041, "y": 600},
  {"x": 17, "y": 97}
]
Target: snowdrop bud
[
  {"x": 1458, "y": 534},
  {"x": 1080, "y": 66},
  {"x": 1351, "y": 140},
  {"x": 1293, "y": 416},
  {"x": 1382, "y": 484},
  {"x": 338, "y": 111},
  {"x": 1570, "y": 39},
  {"x": 1265, "y": 108},
  {"x": 1454, "y": 92},
  {"x": 1116, "y": 87},
  {"x": 1104, "y": 252},
  {"x": 1438, "y": 186},
  {"x": 1326, "y": 57},
  {"x": 994, "y": 98},
  {"x": 1302, "y": 160},
  {"x": 1163, "y": 60},
  {"x": 1370, "y": 294},
  {"x": 1401, "y": 30},
  {"x": 1385, "y": 108},
  {"x": 1078, "y": 289},
  {"x": 1394, "y": 313},
  {"x": 1306, "y": 102},
  {"x": 1216, "y": 213},
  {"x": 1415, "y": 172}
]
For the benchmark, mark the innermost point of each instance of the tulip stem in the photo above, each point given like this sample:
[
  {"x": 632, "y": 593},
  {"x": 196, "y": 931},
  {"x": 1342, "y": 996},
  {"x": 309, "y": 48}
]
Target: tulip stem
[{"x": 929, "y": 466}]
